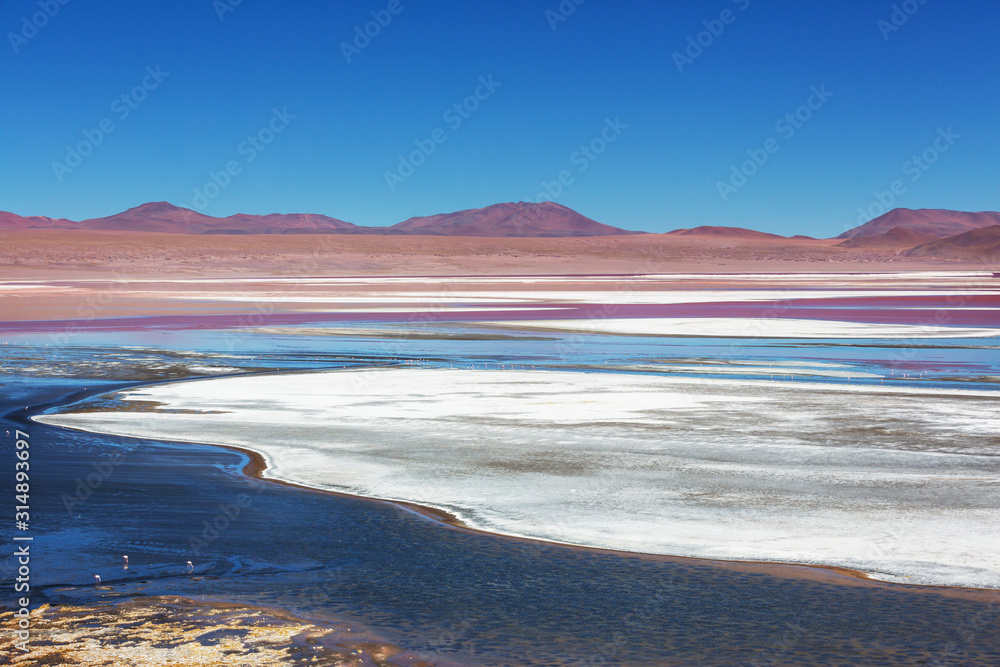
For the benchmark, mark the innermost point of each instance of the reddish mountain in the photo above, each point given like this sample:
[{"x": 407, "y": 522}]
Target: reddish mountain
[
  {"x": 167, "y": 218},
  {"x": 283, "y": 223},
  {"x": 939, "y": 223},
  {"x": 501, "y": 220},
  {"x": 13, "y": 221},
  {"x": 506, "y": 220},
  {"x": 153, "y": 217},
  {"x": 978, "y": 244},
  {"x": 725, "y": 232},
  {"x": 897, "y": 237}
]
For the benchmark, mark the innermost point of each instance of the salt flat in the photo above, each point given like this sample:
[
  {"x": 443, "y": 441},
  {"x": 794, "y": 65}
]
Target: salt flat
[
  {"x": 759, "y": 327},
  {"x": 900, "y": 483}
]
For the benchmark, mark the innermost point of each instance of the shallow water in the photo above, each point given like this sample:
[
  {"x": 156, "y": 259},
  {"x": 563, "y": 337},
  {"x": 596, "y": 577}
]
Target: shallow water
[{"x": 483, "y": 599}]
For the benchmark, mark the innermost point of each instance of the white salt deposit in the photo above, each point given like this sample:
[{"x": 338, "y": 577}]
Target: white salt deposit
[
  {"x": 900, "y": 483},
  {"x": 742, "y": 327},
  {"x": 626, "y": 294}
]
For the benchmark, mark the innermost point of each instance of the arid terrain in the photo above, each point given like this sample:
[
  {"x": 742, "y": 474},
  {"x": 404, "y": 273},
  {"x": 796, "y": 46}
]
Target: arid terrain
[
  {"x": 66, "y": 254},
  {"x": 158, "y": 240}
]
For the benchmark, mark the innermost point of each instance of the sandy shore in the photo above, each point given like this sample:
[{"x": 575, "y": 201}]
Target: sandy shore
[{"x": 162, "y": 631}]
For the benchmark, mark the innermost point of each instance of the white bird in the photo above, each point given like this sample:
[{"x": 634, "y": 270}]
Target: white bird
[
  {"x": 126, "y": 561},
  {"x": 98, "y": 577},
  {"x": 190, "y": 567}
]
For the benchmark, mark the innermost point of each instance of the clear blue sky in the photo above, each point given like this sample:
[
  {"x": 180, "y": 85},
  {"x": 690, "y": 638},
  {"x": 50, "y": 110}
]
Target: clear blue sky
[{"x": 607, "y": 60}]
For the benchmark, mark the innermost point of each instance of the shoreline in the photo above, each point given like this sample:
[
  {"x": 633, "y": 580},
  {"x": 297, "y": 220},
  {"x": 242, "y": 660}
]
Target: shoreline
[
  {"x": 256, "y": 466},
  {"x": 834, "y": 604},
  {"x": 171, "y": 627}
]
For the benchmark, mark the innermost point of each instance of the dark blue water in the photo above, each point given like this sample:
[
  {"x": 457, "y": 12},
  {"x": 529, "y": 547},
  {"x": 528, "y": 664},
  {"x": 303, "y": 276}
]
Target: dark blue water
[{"x": 432, "y": 588}]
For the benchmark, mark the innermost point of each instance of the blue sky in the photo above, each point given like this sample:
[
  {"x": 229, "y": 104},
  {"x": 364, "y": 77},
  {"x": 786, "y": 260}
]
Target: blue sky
[{"x": 606, "y": 77}]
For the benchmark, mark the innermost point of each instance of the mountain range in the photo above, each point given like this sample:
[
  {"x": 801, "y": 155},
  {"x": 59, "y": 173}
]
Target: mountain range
[
  {"x": 931, "y": 221},
  {"x": 920, "y": 232},
  {"x": 546, "y": 219},
  {"x": 929, "y": 232},
  {"x": 725, "y": 232},
  {"x": 982, "y": 243},
  {"x": 897, "y": 237}
]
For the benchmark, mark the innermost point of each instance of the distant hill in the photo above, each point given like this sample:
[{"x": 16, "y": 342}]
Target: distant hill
[
  {"x": 167, "y": 218},
  {"x": 897, "y": 237},
  {"x": 939, "y": 223},
  {"x": 509, "y": 220},
  {"x": 12, "y": 221},
  {"x": 289, "y": 223},
  {"x": 153, "y": 217},
  {"x": 500, "y": 220},
  {"x": 976, "y": 244},
  {"x": 725, "y": 232}
]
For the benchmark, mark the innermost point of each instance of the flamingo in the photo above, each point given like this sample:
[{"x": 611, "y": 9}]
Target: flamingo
[
  {"x": 98, "y": 577},
  {"x": 126, "y": 561},
  {"x": 190, "y": 567}
]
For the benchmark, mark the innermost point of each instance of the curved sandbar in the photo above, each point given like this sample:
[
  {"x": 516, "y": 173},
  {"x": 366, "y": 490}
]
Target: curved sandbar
[{"x": 898, "y": 483}]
